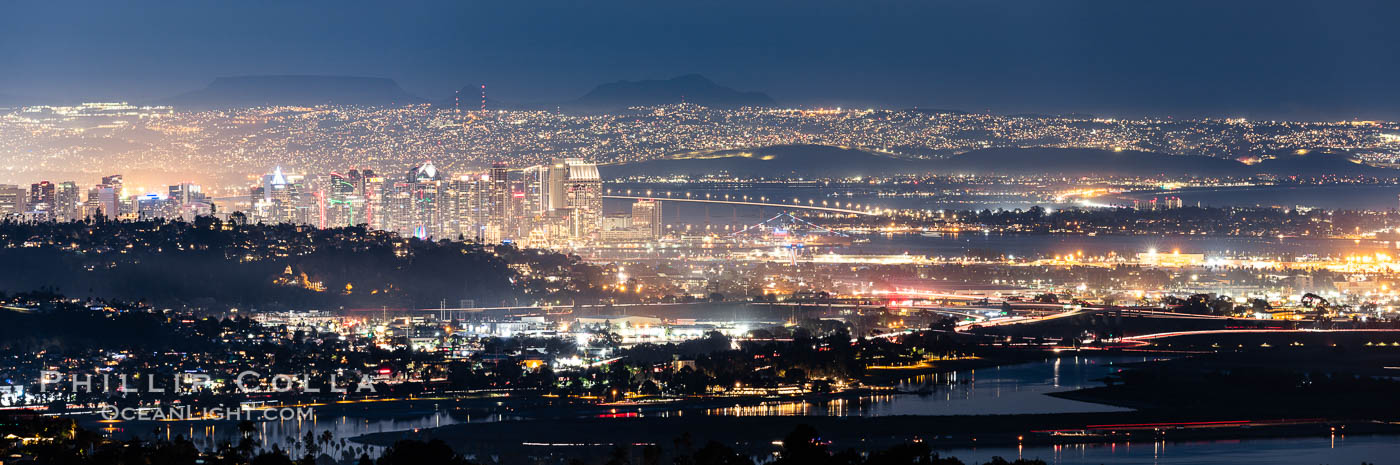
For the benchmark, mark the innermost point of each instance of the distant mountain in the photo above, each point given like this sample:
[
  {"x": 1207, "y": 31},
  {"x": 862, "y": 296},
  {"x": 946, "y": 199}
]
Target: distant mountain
[
  {"x": 818, "y": 161},
  {"x": 690, "y": 88},
  {"x": 248, "y": 91}
]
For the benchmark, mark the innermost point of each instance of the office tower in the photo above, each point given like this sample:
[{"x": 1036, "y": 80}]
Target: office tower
[
  {"x": 186, "y": 201},
  {"x": 12, "y": 199},
  {"x": 285, "y": 198},
  {"x": 103, "y": 200},
  {"x": 554, "y": 188},
  {"x": 118, "y": 186},
  {"x": 257, "y": 202},
  {"x": 362, "y": 181},
  {"x": 150, "y": 206},
  {"x": 301, "y": 206},
  {"x": 517, "y": 208},
  {"x": 185, "y": 193},
  {"x": 471, "y": 206},
  {"x": 583, "y": 195},
  {"x": 343, "y": 201},
  {"x": 646, "y": 216},
  {"x": 115, "y": 182},
  {"x": 67, "y": 204},
  {"x": 372, "y": 188},
  {"x": 41, "y": 197},
  {"x": 536, "y": 187},
  {"x": 277, "y": 198},
  {"x": 502, "y": 218},
  {"x": 396, "y": 207},
  {"x": 412, "y": 207}
]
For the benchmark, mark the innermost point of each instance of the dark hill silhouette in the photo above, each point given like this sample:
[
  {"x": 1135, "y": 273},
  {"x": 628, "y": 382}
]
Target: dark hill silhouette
[
  {"x": 249, "y": 91},
  {"x": 817, "y": 161},
  {"x": 1319, "y": 163},
  {"x": 690, "y": 88},
  {"x": 777, "y": 161},
  {"x": 1083, "y": 161}
]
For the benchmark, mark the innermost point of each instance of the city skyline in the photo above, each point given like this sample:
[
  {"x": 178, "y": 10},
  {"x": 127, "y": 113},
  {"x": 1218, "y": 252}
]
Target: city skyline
[{"x": 831, "y": 232}]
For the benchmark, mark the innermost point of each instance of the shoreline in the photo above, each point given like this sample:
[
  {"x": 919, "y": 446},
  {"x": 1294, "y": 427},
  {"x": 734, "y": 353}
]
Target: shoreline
[{"x": 756, "y": 434}]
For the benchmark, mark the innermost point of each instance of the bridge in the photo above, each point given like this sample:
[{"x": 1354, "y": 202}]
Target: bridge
[
  {"x": 950, "y": 311},
  {"x": 792, "y": 206}
]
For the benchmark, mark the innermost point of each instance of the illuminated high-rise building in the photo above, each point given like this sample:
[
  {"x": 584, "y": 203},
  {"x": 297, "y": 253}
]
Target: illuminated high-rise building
[
  {"x": 646, "y": 216},
  {"x": 67, "y": 203},
  {"x": 502, "y": 216},
  {"x": 372, "y": 188},
  {"x": 115, "y": 182},
  {"x": 343, "y": 201},
  {"x": 12, "y": 199},
  {"x": 284, "y": 198},
  {"x": 185, "y": 201},
  {"x": 583, "y": 196},
  {"x": 554, "y": 187},
  {"x": 185, "y": 193},
  {"x": 470, "y": 197},
  {"x": 151, "y": 206},
  {"x": 412, "y": 207},
  {"x": 104, "y": 200},
  {"x": 41, "y": 198},
  {"x": 535, "y": 181}
]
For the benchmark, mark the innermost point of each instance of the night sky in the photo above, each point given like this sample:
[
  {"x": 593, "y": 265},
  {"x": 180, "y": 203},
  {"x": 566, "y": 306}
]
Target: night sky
[{"x": 1230, "y": 58}]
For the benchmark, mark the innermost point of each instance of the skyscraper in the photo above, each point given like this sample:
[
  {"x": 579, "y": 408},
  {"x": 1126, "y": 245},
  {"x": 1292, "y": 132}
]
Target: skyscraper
[
  {"x": 186, "y": 200},
  {"x": 343, "y": 199},
  {"x": 283, "y": 198},
  {"x": 583, "y": 195},
  {"x": 536, "y": 187},
  {"x": 103, "y": 199},
  {"x": 502, "y": 215},
  {"x": 41, "y": 197},
  {"x": 67, "y": 202},
  {"x": 646, "y": 215},
  {"x": 471, "y": 206},
  {"x": 12, "y": 199},
  {"x": 412, "y": 207},
  {"x": 115, "y": 182}
]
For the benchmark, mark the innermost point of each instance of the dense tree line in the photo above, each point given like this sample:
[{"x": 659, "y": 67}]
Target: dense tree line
[{"x": 213, "y": 264}]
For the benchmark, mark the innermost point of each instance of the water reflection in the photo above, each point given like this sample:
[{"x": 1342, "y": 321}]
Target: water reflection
[
  {"x": 1336, "y": 449},
  {"x": 1012, "y": 389},
  {"x": 290, "y": 434}
]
